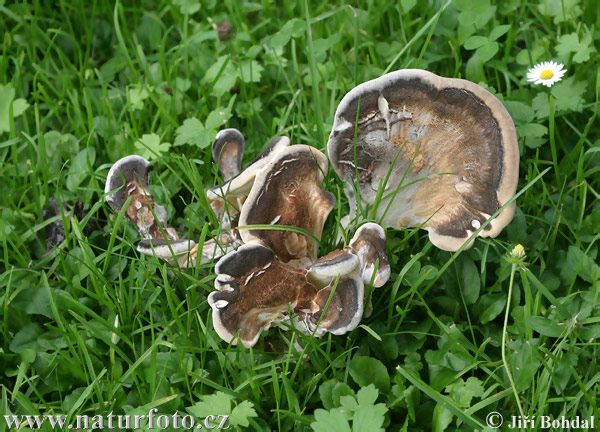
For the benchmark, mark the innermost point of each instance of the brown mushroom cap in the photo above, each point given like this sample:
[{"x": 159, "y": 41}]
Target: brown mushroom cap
[
  {"x": 345, "y": 309},
  {"x": 165, "y": 249},
  {"x": 287, "y": 192},
  {"x": 327, "y": 268},
  {"x": 134, "y": 172},
  {"x": 227, "y": 151},
  {"x": 253, "y": 290},
  {"x": 457, "y": 147},
  {"x": 131, "y": 169},
  {"x": 229, "y": 197},
  {"x": 368, "y": 244}
]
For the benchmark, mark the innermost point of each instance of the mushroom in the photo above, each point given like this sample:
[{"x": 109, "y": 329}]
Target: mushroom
[
  {"x": 253, "y": 290},
  {"x": 227, "y": 152},
  {"x": 227, "y": 199},
  {"x": 444, "y": 151},
  {"x": 345, "y": 308},
  {"x": 130, "y": 177},
  {"x": 287, "y": 192},
  {"x": 368, "y": 244}
]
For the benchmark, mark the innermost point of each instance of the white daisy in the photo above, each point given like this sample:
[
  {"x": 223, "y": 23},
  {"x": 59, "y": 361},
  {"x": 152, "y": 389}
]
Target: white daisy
[{"x": 546, "y": 73}]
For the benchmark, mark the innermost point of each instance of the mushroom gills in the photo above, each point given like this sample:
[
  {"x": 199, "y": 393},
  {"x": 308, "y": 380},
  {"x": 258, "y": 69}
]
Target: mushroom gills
[
  {"x": 258, "y": 289},
  {"x": 227, "y": 151},
  {"x": 287, "y": 191},
  {"x": 447, "y": 146}
]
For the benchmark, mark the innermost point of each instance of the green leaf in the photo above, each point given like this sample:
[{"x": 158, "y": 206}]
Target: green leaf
[
  {"x": 250, "y": 71},
  {"x": 569, "y": 94},
  {"x": 369, "y": 418},
  {"x": 464, "y": 391},
  {"x": 519, "y": 111},
  {"x": 560, "y": 10},
  {"x": 217, "y": 119},
  {"x": 540, "y": 105},
  {"x": 241, "y": 413},
  {"x": 367, "y": 395},
  {"x": 222, "y": 76},
  {"x": 81, "y": 167},
  {"x": 477, "y": 7},
  {"x": 293, "y": 28},
  {"x": 325, "y": 393},
  {"x": 490, "y": 306},
  {"x": 137, "y": 95},
  {"x": 475, "y": 42},
  {"x": 532, "y": 130},
  {"x": 544, "y": 326},
  {"x": 442, "y": 417},
  {"x": 339, "y": 390},
  {"x": 7, "y": 94},
  {"x": 150, "y": 147},
  {"x": 188, "y": 6},
  {"x": 524, "y": 361},
  {"x": 498, "y": 31},
  {"x": 536, "y": 54},
  {"x": 28, "y": 355},
  {"x": 570, "y": 43},
  {"x": 26, "y": 338},
  {"x": 321, "y": 46},
  {"x": 193, "y": 132},
  {"x": 471, "y": 281},
  {"x": 474, "y": 69},
  {"x": 579, "y": 264},
  {"x": 218, "y": 402},
  {"x": 39, "y": 303},
  {"x": 487, "y": 51},
  {"x": 407, "y": 5},
  {"x": 366, "y": 370},
  {"x": 328, "y": 421}
]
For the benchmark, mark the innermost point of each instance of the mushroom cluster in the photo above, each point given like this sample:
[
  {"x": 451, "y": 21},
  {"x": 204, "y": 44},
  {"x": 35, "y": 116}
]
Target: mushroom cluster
[{"x": 413, "y": 150}]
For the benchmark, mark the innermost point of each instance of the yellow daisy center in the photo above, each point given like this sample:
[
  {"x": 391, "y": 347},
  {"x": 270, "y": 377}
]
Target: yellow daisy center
[{"x": 546, "y": 74}]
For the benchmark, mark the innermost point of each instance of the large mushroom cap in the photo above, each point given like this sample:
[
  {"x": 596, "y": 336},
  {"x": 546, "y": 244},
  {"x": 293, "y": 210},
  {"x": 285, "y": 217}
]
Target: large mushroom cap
[
  {"x": 457, "y": 154},
  {"x": 287, "y": 192},
  {"x": 227, "y": 151}
]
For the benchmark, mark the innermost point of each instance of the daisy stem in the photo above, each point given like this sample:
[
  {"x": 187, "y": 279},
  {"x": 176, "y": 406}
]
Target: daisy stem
[
  {"x": 551, "y": 132},
  {"x": 504, "y": 332}
]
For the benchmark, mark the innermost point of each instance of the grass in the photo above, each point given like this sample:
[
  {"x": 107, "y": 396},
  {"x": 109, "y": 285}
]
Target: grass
[{"x": 83, "y": 84}]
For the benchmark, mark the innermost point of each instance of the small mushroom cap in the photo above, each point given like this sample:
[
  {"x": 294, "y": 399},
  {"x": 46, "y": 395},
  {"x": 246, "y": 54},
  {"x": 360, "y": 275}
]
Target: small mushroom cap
[
  {"x": 345, "y": 308},
  {"x": 287, "y": 192},
  {"x": 227, "y": 151},
  {"x": 131, "y": 168},
  {"x": 457, "y": 149},
  {"x": 368, "y": 244},
  {"x": 327, "y": 268},
  {"x": 162, "y": 248},
  {"x": 253, "y": 290},
  {"x": 148, "y": 217},
  {"x": 235, "y": 191}
]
